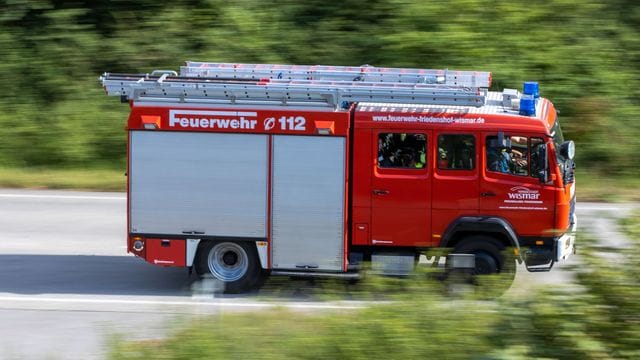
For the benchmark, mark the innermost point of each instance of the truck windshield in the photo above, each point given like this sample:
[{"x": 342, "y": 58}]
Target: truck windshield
[
  {"x": 558, "y": 139},
  {"x": 566, "y": 165}
]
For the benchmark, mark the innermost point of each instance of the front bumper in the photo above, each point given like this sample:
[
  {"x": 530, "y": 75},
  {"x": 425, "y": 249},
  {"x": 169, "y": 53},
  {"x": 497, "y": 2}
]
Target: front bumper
[
  {"x": 556, "y": 249},
  {"x": 566, "y": 244}
]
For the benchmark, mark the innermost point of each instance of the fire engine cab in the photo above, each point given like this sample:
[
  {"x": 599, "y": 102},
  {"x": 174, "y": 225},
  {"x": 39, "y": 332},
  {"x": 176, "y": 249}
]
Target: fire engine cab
[{"x": 244, "y": 170}]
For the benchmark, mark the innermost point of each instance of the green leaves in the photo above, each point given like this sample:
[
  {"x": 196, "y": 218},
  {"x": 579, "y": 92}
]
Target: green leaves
[
  {"x": 586, "y": 55},
  {"x": 597, "y": 318}
]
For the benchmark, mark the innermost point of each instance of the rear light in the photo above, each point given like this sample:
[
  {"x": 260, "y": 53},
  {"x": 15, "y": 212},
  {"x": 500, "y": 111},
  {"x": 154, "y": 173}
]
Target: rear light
[{"x": 138, "y": 245}]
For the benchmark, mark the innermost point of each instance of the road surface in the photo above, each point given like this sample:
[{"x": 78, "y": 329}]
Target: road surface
[{"x": 67, "y": 286}]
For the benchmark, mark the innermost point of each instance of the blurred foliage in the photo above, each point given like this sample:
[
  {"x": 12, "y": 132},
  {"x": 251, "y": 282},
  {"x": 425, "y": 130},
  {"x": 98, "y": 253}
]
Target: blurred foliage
[
  {"x": 586, "y": 55},
  {"x": 597, "y": 319},
  {"x": 595, "y": 185},
  {"x": 631, "y": 225}
]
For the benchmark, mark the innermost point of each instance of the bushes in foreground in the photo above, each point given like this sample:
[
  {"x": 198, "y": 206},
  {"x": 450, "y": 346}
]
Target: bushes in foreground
[{"x": 599, "y": 319}]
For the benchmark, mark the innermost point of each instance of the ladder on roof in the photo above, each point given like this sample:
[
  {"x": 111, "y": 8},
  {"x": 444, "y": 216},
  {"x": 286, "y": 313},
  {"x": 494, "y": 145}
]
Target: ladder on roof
[
  {"x": 474, "y": 79},
  {"x": 301, "y": 86}
]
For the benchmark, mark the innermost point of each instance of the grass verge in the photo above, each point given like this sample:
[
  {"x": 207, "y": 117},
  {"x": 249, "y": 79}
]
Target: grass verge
[
  {"x": 591, "y": 186},
  {"x": 76, "y": 179}
]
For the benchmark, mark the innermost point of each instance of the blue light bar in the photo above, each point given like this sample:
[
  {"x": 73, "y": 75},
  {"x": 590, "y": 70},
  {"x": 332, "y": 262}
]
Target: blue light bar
[
  {"x": 527, "y": 105},
  {"x": 531, "y": 88}
]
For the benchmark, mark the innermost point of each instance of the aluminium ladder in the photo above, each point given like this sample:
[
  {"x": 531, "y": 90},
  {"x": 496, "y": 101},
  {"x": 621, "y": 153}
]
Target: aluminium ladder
[
  {"x": 474, "y": 79},
  {"x": 298, "y": 85}
]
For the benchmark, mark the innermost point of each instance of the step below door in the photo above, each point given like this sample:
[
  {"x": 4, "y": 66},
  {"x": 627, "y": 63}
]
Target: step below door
[{"x": 308, "y": 201}]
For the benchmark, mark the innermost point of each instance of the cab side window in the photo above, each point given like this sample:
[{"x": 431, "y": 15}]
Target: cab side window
[
  {"x": 509, "y": 157},
  {"x": 456, "y": 152},
  {"x": 402, "y": 150}
]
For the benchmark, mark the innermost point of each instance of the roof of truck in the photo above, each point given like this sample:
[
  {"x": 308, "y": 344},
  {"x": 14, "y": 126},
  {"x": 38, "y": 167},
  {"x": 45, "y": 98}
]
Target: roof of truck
[
  {"x": 493, "y": 115},
  {"x": 493, "y": 105}
]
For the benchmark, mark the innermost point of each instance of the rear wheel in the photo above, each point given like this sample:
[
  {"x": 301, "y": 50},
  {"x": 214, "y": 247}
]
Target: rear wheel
[{"x": 235, "y": 264}]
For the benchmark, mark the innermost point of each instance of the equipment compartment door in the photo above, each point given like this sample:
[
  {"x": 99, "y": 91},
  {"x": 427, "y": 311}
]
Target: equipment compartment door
[
  {"x": 308, "y": 201},
  {"x": 401, "y": 189},
  {"x": 202, "y": 183}
]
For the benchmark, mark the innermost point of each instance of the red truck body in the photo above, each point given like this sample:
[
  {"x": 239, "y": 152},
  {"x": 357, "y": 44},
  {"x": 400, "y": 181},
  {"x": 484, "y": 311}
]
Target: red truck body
[{"x": 404, "y": 178}]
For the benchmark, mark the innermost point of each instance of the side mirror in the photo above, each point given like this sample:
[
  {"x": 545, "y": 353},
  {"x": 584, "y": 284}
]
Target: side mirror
[
  {"x": 543, "y": 173},
  {"x": 568, "y": 150}
]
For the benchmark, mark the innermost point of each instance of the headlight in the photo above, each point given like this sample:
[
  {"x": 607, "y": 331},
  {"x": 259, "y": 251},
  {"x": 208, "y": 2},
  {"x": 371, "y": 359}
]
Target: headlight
[{"x": 568, "y": 149}]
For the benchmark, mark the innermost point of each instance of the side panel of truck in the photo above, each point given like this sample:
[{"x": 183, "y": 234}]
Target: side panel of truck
[
  {"x": 308, "y": 201},
  {"x": 203, "y": 183}
]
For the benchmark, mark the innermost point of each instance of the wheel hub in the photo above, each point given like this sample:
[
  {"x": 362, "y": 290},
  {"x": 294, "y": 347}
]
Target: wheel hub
[
  {"x": 230, "y": 258},
  {"x": 228, "y": 261},
  {"x": 485, "y": 264}
]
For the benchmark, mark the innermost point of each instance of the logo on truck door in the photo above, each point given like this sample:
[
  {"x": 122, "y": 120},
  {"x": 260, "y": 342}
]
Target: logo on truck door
[
  {"x": 200, "y": 119},
  {"x": 523, "y": 198},
  {"x": 523, "y": 193}
]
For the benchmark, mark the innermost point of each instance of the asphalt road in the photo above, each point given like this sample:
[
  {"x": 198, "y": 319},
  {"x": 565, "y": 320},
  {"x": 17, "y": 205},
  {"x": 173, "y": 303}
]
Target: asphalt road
[{"x": 67, "y": 286}]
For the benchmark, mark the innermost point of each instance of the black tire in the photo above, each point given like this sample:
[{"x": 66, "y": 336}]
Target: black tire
[
  {"x": 492, "y": 257},
  {"x": 235, "y": 264}
]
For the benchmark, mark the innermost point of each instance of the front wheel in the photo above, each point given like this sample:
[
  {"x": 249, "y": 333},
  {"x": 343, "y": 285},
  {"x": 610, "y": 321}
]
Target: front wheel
[
  {"x": 235, "y": 264},
  {"x": 491, "y": 257}
]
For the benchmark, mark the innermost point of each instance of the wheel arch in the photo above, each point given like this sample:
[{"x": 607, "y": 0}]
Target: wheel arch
[
  {"x": 243, "y": 271},
  {"x": 465, "y": 226}
]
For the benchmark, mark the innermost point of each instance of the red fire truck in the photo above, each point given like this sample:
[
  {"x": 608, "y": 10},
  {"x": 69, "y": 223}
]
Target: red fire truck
[{"x": 245, "y": 170}]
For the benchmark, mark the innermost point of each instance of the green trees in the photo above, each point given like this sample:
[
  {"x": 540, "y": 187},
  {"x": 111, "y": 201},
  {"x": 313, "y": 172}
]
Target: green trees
[{"x": 585, "y": 55}]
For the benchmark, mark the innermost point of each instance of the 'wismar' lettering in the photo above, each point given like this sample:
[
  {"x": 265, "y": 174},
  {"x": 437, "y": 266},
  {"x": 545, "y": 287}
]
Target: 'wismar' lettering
[
  {"x": 194, "y": 119},
  {"x": 524, "y": 196}
]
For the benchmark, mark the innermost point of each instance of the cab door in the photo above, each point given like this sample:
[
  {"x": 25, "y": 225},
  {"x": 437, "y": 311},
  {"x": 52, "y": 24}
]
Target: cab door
[
  {"x": 455, "y": 180},
  {"x": 400, "y": 189},
  {"x": 510, "y": 187}
]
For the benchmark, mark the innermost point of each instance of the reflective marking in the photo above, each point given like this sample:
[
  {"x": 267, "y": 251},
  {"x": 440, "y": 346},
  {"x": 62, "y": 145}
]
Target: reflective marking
[
  {"x": 70, "y": 197},
  {"x": 605, "y": 207},
  {"x": 374, "y": 241},
  {"x": 207, "y": 302}
]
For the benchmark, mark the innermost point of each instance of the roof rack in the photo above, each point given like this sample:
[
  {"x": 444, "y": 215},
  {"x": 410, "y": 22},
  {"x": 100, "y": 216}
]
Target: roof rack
[{"x": 299, "y": 85}]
